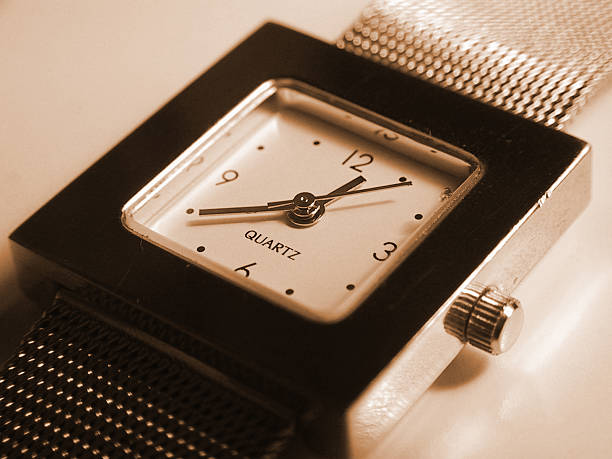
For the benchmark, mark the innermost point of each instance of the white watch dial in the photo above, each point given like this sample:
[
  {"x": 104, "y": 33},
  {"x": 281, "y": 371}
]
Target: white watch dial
[{"x": 210, "y": 205}]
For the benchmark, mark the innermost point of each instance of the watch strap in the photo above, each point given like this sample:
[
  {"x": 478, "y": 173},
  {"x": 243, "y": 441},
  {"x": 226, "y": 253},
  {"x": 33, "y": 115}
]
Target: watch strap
[
  {"x": 79, "y": 386},
  {"x": 540, "y": 59}
]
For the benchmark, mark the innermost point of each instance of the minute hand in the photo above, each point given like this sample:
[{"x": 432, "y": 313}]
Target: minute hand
[
  {"x": 337, "y": 194},
  {"x": 286, "y": 205}
]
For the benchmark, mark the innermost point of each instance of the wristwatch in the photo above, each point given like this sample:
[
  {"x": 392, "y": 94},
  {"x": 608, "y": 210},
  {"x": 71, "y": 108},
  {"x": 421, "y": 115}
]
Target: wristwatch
[{"x": 277, "y": 248}]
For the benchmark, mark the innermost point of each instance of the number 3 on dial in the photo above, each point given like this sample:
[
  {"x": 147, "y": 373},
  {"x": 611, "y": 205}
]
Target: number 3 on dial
[{"x": 390, "y": 247}]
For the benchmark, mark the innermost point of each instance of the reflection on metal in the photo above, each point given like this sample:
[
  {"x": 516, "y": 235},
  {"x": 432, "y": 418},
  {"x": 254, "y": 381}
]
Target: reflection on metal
[
  {"x": 430, "y": 351},
  {"x": 307, "y": 210},
  {"x": 485, "y": 318}
]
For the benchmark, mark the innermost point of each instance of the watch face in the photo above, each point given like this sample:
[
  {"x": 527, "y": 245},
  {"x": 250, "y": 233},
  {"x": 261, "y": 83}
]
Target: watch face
[{"x": 277, "y": 198}]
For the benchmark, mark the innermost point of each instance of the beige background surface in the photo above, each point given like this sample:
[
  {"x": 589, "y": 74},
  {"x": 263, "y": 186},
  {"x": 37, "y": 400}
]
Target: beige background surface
[{"x": 77, "y": 76}]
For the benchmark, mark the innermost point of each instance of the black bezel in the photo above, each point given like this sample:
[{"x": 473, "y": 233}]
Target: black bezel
[{"x": 80, "y": 229}]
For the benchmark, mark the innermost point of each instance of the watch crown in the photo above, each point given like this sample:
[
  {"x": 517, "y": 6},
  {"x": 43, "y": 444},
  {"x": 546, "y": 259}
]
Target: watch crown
[{"x": 485, "y": 318}]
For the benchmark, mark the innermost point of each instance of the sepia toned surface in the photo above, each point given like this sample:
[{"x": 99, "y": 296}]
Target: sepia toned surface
[{"x": 78, "y": 76}]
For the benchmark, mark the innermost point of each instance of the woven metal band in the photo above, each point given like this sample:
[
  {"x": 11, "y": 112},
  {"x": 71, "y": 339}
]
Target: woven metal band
[
  {"x": 78, "y": 387},
  {"x": 537, "y": 58}
]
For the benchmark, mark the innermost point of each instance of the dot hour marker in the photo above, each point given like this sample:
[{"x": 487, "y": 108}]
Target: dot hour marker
[
  {"x": 289, "y": 291},
  {"x": 260, "y": 147},
  {"x": 402, "y": 179},
  {"x": 418, "y": 216},
  {"x": 189, "y": 211},
  {"x": 350, "y": 287},
  {"x": 316, "y": 142},
  {"x": 201, "y": 248}
]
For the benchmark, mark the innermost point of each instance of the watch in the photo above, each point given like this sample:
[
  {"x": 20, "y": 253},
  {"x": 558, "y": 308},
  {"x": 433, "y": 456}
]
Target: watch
[{"x": 269, "y": 247}]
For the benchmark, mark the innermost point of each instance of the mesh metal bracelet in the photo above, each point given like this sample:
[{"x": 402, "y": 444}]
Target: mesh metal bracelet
[
  {"x": 537, "y": 58},
  {"x": 79, "y": 387}
]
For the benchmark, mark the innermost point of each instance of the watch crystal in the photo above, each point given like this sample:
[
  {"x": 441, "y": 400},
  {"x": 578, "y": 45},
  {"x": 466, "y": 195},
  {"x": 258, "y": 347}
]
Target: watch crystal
[{"x": 302, "y": 198}]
